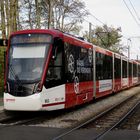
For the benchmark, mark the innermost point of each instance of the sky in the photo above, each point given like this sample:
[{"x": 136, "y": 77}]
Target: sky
[{"x": 115, "y": 13}]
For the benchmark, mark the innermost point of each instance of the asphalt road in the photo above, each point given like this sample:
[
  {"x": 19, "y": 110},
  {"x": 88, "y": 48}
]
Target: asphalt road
[{"x": 42, "y": 133}]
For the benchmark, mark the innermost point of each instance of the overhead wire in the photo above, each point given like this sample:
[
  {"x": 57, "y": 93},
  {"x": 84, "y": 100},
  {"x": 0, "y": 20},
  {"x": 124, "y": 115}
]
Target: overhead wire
[
  {"x": 88, "y": 22},
  {"x": 131, "y": 13},
  {"x": 97, "y": 19},
  {"x": 137, "y": 15},
  {"x": 134, "y": 17}
]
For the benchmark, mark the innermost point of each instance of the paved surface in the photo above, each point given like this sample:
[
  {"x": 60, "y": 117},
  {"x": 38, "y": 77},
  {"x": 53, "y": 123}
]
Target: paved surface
[
  {"x": 1, "y": 104},
  {"x": 41, "y": 133},
  {"x": 1, "y": 101}
]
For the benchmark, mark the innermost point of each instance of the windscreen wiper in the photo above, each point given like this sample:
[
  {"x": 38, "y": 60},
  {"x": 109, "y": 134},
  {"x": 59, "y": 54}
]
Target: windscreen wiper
[{"x": 12, "y": 71}]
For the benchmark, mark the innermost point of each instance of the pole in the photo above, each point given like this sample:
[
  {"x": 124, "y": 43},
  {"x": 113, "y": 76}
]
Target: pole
[
  {"x": 128, "y": 52},
  {"x": 89, "y": 32},
  {"x": 128, "y": 47}
]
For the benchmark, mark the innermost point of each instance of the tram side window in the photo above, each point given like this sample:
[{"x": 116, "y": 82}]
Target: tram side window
[
  {"x": 138, "y": 70},
  {"x": 124, "y": 69},
  {"x": 134, "y": 70},
  {"x": 103, "y": 66},
  {"x": 107, "y": 67},
  {"x": 99, "y": 66},
  {"x": 78, "y": 63},
  {"x": 55, "y": 73},
  {"x": 130, "y": 69},
  {"x": 117, "y": 68}
]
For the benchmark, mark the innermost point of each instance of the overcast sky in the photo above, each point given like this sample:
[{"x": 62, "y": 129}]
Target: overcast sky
[{"x": 115, "y": 13}]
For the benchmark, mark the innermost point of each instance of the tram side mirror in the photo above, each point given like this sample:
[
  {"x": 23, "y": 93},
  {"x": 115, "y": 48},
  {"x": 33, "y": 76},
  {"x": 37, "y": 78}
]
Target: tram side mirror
[{"x": 57, "y": 43}]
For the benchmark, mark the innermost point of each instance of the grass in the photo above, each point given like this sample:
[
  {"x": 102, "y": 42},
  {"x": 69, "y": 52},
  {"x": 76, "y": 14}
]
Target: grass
[{"x": 2, "y": 50}]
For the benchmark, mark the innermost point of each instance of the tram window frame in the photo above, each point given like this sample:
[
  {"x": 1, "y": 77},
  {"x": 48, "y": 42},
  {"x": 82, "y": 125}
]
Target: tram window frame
[
  {"x": 135, "y": 70},
  {"x": 81, "y": 63},
  {"x": 124, "y": 69},
  {"x": 117, "y": 68},
  {"x": 130, "y": 69},
  {"x": 104, "y": 66},
  {"x": 138, "y": 70},
  {"x": 55, "y": 74}
]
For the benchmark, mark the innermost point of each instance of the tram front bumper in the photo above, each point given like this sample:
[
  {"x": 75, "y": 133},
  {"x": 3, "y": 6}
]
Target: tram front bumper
[{"x": 28, "y": 103}]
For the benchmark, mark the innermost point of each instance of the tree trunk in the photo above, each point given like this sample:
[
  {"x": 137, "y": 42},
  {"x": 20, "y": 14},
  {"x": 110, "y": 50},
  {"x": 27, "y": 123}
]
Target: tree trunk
[
  {"x": 50, "y": 13},
  {"x": 13, "y": 15},
  {"x": 7, "y": 17},
  {"x": 29, "y": 14},
  {"x": 38, "y": 15},
  {"x": 19, "y": 26},
  {"x": 3, "y": 20}
]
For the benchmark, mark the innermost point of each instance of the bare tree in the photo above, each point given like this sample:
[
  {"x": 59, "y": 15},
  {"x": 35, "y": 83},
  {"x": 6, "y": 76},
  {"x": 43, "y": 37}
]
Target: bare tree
[
  {"x": 30, "y": 14},
  {"x": 68, "y": 14},
  {"x": 65, "y": 15},
  {"x": 49, "y": 6}
]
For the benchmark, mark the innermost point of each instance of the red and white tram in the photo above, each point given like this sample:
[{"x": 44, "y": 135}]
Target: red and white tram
[{"x": 50, "y": 70}]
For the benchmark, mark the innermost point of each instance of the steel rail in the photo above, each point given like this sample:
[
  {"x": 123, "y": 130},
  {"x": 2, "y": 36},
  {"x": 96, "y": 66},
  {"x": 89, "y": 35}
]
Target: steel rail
[
  {"x": 92, "y": 119},
  {"x": 101, "y": 135}
]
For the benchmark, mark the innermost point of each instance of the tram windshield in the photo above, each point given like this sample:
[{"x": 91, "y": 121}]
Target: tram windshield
[{"x": 27, "y": 56}]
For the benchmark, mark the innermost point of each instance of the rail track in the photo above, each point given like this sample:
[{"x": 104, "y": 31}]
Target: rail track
[
  {"x": 107, "y": 120},
  {"x": 132, "y": 122}
]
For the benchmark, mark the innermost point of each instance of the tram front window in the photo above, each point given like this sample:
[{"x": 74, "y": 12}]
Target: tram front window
[{"x": 26, "y": 60}]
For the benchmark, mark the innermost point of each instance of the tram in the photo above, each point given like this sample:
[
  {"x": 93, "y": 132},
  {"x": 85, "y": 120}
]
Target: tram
[{"x": 51, "y": 70}]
